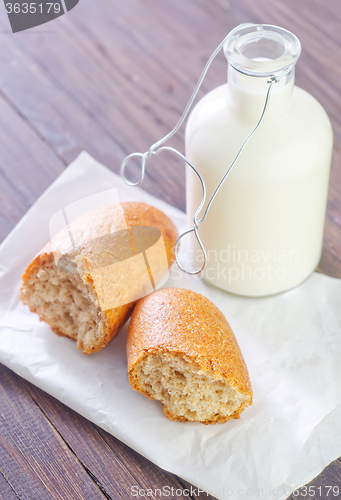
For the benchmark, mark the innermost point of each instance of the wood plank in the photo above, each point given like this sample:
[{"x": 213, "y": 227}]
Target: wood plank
[
  {"x": 326, "y": 485},
  {"x": 6, "y": 490},
  {"x": 12, "y": 208},
  {"x": 194, "y": 492},
  {"x": 50, "y": 111},
  {"x": 31, "y": 167},
  {"x": 34, "y": 459},
  {"x": 27, "y": 167},
  {"x": 90, "y": 85},
  {"x": 107, "y": 21},
  {"x": 101, "y": 453}
]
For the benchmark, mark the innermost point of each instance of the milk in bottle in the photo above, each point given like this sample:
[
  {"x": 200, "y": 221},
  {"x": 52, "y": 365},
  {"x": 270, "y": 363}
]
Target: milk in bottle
[{"x": 264, "y": 231}]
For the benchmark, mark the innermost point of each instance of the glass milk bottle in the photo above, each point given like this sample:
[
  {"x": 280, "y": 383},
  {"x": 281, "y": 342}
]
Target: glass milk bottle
[{"x": 264, "y": 231}]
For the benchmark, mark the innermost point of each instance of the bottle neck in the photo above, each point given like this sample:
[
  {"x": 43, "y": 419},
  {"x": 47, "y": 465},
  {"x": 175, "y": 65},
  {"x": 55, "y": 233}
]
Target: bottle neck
[{"x": 247, "y": 94}]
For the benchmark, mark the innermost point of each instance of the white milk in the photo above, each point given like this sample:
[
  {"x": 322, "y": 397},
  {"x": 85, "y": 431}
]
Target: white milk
[{"x": 264, "y": 231}]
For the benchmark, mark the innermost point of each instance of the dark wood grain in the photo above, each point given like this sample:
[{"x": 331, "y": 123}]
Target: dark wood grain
[
  {"x": 109, "y": 464},
  {"x": 6, "y": 490},
  {"x": 35, "y": 461},
  {"x": 326, "y": 486},
  {"x": 27, "y": 166},
  {"x": 113, "y": 77}
]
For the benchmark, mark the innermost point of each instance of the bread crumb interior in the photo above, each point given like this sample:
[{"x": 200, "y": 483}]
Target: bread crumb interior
[
  {"x": 64, "y": 301},
  {"x": 184, "y": 389}
]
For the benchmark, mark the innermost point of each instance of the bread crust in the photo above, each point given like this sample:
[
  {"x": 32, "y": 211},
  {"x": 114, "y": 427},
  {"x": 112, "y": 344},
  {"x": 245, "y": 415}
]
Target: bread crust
[
  {"x": 187, "y": 324},
  {"x": 90, "y": 227}
]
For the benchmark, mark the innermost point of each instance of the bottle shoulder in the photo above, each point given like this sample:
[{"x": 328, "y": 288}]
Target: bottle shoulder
[
  {"x": 214, "y": 109},
  {"x": 210, "y": 105},
  {"x": 307, "y": 105},
  {"x": 302, "y": 137}
]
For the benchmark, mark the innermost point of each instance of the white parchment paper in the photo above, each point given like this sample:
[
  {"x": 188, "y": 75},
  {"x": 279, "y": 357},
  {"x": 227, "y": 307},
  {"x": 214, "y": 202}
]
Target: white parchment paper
[{"x": 291, "y": 344}]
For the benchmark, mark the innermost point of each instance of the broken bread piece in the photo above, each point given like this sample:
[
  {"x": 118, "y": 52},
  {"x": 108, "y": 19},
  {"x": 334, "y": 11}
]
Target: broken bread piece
[
  {"x": 86, "y": 289},
  {"x": 182, "y": 352}
]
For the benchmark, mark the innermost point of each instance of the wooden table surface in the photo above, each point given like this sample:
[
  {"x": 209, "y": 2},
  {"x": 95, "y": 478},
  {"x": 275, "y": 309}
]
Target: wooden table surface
[{"x": 112, "y": 77}]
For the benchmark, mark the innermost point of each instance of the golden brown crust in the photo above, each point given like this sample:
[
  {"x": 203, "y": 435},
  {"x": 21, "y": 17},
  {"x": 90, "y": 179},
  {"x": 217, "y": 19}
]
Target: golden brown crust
[
  {"x": 94, "y": 225},
  {"x": 186, "y": 323}
]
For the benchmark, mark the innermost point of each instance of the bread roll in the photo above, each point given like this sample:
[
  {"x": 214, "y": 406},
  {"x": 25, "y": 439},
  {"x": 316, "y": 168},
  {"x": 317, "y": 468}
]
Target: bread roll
[
  {"x": 85, "y": 282},
  {"x": 182, "y": 352}
]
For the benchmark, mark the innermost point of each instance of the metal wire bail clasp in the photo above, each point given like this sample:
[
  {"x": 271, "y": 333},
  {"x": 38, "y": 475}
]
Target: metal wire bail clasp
[
  {"x": 176, "y": 250},
  {"x": 156, "y": 148},
  {"x": 144, "y": 157}
]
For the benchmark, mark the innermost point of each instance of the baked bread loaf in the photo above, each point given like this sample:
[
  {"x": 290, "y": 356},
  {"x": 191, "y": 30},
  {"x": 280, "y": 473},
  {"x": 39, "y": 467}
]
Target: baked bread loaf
[
  {"x": 85, "y": 288},
  {"x": 182, "y": 352}
]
